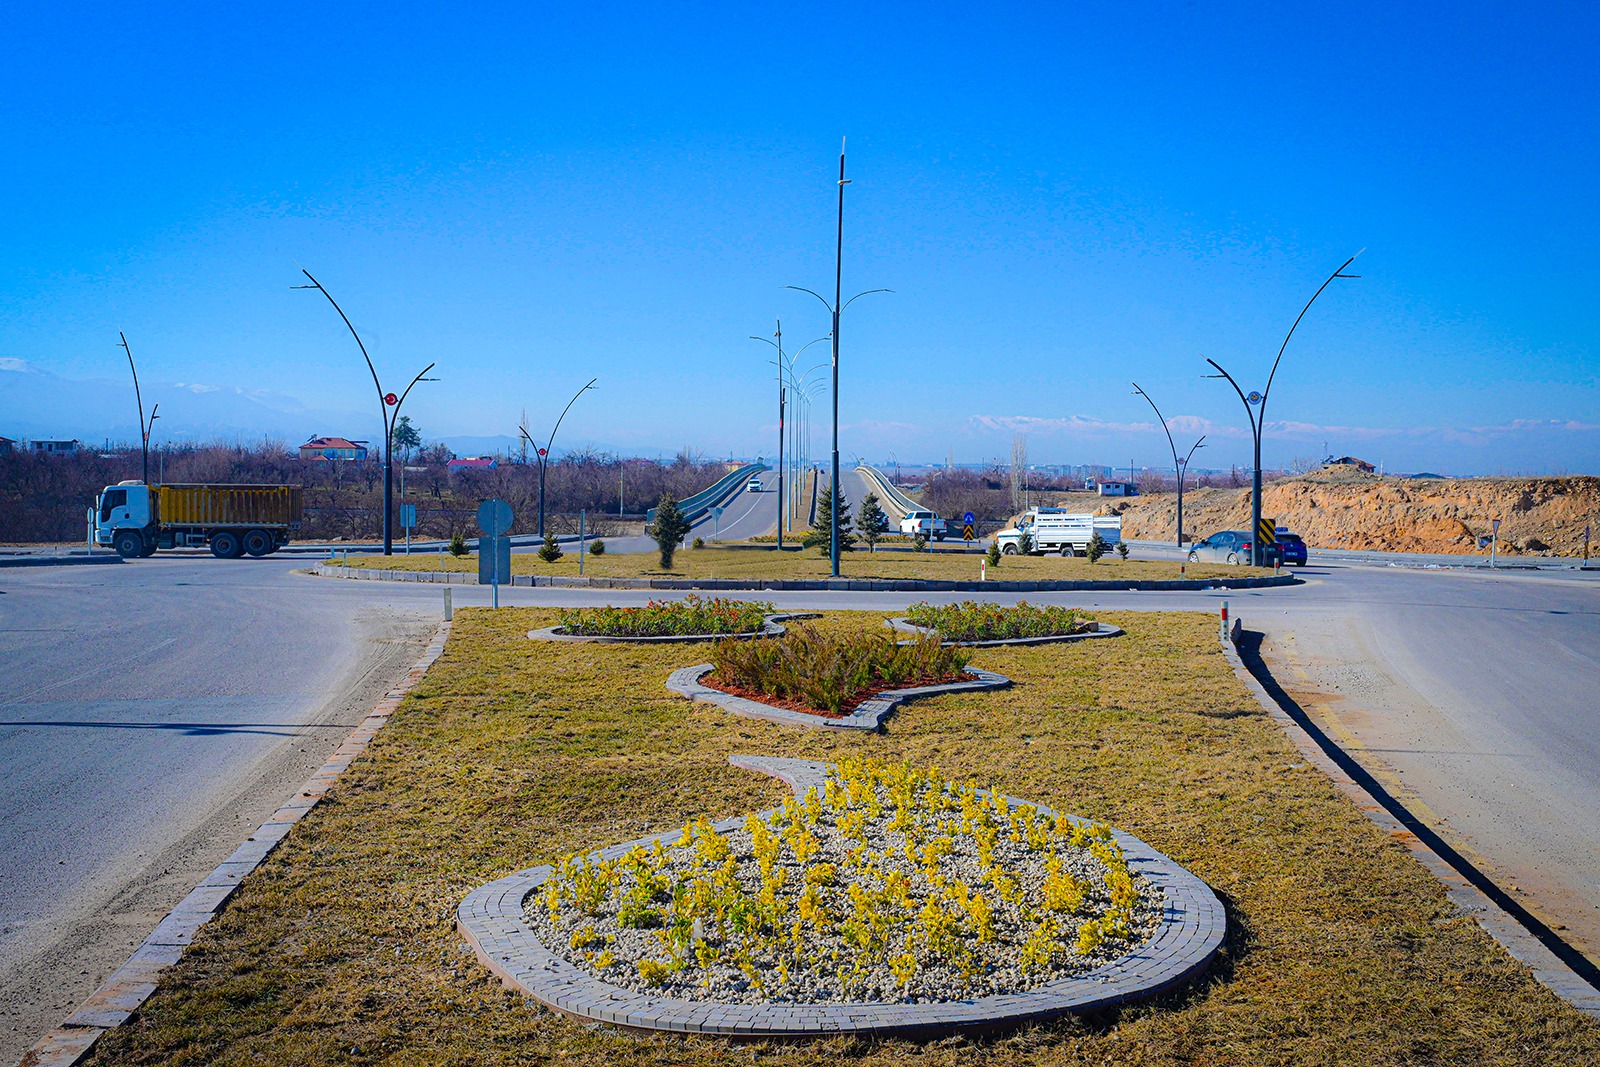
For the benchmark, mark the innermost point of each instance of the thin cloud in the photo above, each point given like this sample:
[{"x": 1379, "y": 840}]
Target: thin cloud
[
  {"x": 1088, "y": 426},
  {"x": 12, "y": 363}
]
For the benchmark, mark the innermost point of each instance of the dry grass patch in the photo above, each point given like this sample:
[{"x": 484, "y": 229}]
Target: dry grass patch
[
  {"x": 724, "y": 561},
  {"x": 342, "y": 948}
]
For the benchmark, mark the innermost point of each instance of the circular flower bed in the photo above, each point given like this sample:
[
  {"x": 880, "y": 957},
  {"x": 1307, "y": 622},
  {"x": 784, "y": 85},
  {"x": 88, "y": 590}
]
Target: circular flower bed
[
  {"x": 975, "y": 621},
  {"x": 888, "y": 884},
  {"x": 691, "y": 616}
]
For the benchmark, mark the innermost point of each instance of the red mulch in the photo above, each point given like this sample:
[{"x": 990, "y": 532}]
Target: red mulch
[{"x": 861, "y": 695}]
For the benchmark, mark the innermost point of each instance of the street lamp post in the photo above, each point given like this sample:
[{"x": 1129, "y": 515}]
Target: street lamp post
[
  {"x": 1178, "y": 463},
  {"x": 389, "y": 405},
  {"x": 144, "y": 427},
  {"x": 836, "y": 309},
  {"x": 785, "y": 363},
  {"x": 1258, "y": 420},
  {"x": 543, "y": 452}
]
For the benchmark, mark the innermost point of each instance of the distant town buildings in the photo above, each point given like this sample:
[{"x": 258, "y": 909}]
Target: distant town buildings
[
  {"x": 7, "y": 446},
  {"x": 325, "y": 449},
  {"x": 1118, "y": 489},
  {"x": 467, "y": 463},
  {"x": 54, "y": 448}
]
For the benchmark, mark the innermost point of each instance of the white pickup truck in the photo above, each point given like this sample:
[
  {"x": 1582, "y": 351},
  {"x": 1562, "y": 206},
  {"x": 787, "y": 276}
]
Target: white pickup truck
[
  {"x": 1059, "y": 530},
  {"x": 925, "y": 523}
]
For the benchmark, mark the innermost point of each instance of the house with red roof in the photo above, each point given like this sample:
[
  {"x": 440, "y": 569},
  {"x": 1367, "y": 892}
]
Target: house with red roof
[{"x": 324, "y": 449}]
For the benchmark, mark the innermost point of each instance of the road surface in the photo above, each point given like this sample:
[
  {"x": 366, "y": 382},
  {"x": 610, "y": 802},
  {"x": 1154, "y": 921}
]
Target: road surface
[{"x": 155, "y": 711}]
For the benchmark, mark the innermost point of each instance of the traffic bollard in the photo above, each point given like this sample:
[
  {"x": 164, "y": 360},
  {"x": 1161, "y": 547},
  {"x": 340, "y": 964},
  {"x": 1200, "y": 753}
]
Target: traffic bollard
[
  {"x": 1225, "y": 620},
  {"x": 449, "y": 609}
]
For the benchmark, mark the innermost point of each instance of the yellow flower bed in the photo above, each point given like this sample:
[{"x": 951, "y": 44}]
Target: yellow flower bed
[{"x": 891, "y": 883}]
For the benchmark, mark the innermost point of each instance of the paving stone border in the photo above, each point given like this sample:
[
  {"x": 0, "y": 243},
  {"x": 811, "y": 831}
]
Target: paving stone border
[
  {"x": 868, "y": 715},
  {"x": 1104, "y": 629},
  {"x": 771, "y": 626},
  {"x": 1192, "y": 928},
  {"x": 852, "y": 585},
  {"x": 131, "y": 984}
]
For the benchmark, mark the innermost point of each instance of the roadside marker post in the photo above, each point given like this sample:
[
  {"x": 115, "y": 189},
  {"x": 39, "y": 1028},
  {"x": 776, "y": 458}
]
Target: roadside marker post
[
  {"x": 983, "y": 570},
  {"x": 1224, "y": 620},
  {"x": 581, "y": 516},
  {"x": 1494, "y": 541},
  {"x": 449, "y": 606},
  {"x": 1586, "y": 544}
]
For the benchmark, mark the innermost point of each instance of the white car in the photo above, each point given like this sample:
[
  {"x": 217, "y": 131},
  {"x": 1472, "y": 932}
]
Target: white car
[{"x": 753, "y": 485}]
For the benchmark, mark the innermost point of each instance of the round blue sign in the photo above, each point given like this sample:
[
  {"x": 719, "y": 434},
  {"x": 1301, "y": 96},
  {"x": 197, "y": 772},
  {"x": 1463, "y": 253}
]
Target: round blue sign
[
  {"x": 966, "y": 517},
  {"x": 494, "y": 517}
]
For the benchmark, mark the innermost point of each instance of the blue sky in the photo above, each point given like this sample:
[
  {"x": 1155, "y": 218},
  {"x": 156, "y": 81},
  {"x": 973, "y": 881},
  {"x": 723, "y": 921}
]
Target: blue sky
[{"x": 1063, "y": 197}]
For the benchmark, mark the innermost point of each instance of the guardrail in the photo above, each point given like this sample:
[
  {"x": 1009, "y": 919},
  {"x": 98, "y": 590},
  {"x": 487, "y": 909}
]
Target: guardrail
[
  {"x": 893, "y": 499},
  {"x": 695, "y": 507}
]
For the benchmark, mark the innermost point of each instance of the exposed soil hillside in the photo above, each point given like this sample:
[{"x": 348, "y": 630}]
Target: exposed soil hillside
[{"x": 1343, "y": 508}]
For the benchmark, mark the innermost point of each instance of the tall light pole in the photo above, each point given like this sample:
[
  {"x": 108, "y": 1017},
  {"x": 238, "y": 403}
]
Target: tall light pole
[
  {"x": 1258, "y": 420},
  {"x": 388, "y": 406},
  {"x": 836, "y": 310},
  {"x": 543, "y": 451},
  {"x": 1177, "y": 463},
  {"x": 144, "y": 427},
  {"x": 785, "y": 364}
]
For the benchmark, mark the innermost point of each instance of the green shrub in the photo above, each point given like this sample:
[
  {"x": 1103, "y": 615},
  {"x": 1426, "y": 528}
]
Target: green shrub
[
  {"x": 669, "y": 528},
  {"x": 550, "y": 551},
  {"x": 828, "y": 672},
  {"x": 699, "y": 542},
  {"x": 597, "y": 548},
  {"x": 993, "y": 554},
  {"x": 977, "y": 621},
  {"x": 458, "y": 545},
  {"x": 1096, "y": 547},
  {"x": 669, "y": 618},
  {"x": 1025, "y": 543},
  {"x": 1122, "y": 549}
]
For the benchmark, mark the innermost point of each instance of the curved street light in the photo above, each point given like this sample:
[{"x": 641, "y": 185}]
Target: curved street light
[
  {"x": 836, "y": 309},
  {"x": 144, "y": 427},
  {"x": 1178, "y": 464},
  {"x": 780, "y": 362},
  {"x": 1258, "y": 420},
  {"x": 389, "y": 405},
  {"x": 543, "y": 452}
]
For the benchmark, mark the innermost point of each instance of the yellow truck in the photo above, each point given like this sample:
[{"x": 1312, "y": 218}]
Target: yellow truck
[{"x": 231, "y": 520}]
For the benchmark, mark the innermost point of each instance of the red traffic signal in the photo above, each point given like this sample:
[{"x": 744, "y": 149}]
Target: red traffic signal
[{"x": 390, "y": 399}]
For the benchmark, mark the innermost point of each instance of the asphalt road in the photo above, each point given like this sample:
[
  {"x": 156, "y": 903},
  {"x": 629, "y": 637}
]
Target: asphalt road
[{"x": 155, "y": 711}]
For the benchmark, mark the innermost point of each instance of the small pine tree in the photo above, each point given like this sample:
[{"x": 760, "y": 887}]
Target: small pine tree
[
  {"x": 993, "y": 555},
  {"x": 1122, "y": 549},
  {"x": 698, "y": 542},
  {"x": 597, "y": 547},
  {"x": 669, "y": 529},
  {"x": 458, "y": 545},
  {"x": 1025, "y": 543},
  {"x": 872, "y": 523},
  {"x": 1096, "y": 547},
  {"x": 820, "y": 534},
  {"x": 919, "y": 541},
  {"x": 550, "y": 551}
]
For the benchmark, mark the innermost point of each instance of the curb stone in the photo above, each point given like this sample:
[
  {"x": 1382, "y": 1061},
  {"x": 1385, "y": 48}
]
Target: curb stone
[
  {"x": 1526, "y": 949},
  {"x": 1191, "y": 932},
  {"x": 131, "y": 984},
  {"x": 868, "y": 715},
  {"x": 862, "y": 585}
]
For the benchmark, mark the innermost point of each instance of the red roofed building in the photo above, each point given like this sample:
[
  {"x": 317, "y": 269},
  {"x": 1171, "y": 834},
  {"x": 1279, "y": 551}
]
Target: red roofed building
[{"x": 329, "y": 448}]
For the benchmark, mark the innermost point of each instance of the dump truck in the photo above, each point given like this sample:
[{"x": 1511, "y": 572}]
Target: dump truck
[{"x": 232, "y": 520}]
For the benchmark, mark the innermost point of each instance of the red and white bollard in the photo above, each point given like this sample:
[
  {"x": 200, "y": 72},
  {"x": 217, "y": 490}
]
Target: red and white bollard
[
  {"x": 1225, "y": 621},
  {"x": 983, "y": 570}
]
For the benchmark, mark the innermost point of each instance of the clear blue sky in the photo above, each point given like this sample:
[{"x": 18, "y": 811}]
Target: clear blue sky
[{"x": 1063, "y": 197}]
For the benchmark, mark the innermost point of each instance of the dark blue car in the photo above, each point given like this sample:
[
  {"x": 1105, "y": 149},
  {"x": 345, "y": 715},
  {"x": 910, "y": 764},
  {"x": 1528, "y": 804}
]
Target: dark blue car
[{"x": 1293, "y": 549}]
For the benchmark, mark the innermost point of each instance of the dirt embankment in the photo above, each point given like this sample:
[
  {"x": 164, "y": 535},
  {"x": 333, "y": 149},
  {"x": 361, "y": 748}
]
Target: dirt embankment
[{"x": 1345, "y": 509}]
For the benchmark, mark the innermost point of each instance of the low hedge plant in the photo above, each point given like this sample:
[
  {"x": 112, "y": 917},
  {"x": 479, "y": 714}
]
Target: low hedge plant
[
  {"x": 973, "y": 620},
  {"x": 669, "y": 618}
]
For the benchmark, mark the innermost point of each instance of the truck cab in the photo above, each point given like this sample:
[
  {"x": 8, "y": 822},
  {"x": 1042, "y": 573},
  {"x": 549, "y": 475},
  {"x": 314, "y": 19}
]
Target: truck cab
[{"x": 126, "y": 517}]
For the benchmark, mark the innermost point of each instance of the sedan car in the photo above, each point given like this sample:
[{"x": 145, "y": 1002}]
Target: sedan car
[
  {"x": 1292, "y": 548},
  {"x": 1229, "y": 546},
  {"x": 753, "y": 485}
]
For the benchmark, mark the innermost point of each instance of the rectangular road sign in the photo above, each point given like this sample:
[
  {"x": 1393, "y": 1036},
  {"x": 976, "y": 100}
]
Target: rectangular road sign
[
  {"x": 966, "y": 532},
  {"x": 494, "y": 561},
  {"x": 408, "y": 516},
  {"x": 1268, "y": 531}
]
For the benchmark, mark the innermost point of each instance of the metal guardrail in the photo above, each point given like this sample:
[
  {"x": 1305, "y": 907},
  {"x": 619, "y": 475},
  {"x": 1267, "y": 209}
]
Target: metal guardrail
[
  {"x": 893, "y": 499},
  {"x": 695, "y": 507}
]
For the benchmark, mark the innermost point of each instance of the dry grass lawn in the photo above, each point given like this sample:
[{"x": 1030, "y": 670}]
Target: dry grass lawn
[
  {"x": 342, "y": 948},
  {"x": 715, "y": 561}
]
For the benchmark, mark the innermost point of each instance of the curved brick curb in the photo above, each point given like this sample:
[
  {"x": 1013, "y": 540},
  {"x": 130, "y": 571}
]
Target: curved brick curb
[
  {"x": 868, "y": 715},
  {"x": 771, "y": 626},
  {"x": 850, "y": 585},
  {"x": 1192, "y": 927},
  {"x": 1105, "y": 629},
  {"x": 132, "y": 983}
]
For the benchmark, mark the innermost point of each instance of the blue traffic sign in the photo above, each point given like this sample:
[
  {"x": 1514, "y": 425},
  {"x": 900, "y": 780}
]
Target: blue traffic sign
[{"x": 966, "y": 517}]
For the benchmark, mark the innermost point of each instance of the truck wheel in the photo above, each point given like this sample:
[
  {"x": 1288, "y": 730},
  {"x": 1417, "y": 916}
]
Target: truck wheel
[
  {"x": 148, "y": 550},
  {"x": 128, "y": 544},
  {"x": 1009, "y": 550},
  {"x": 1066, "y": 550},
  {"x": 938, "y": 537},
  {"x": 225, "y": 545},
  {"x": 257, "y": 542}
]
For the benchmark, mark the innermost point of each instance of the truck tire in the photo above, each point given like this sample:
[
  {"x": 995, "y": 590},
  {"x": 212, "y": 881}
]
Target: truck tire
[
  {"x": 129, "y": 544},
  {"x": 225, "y": 545},
  {"x": 1066, "y": 551},
  {"x": 148, "y": 550},
  {"x": 1009, "y": 550},
  {"x": 257, "y": 542}
]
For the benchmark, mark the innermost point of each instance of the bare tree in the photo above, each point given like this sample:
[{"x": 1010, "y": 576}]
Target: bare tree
[{"x": 1019, "y": 471}]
